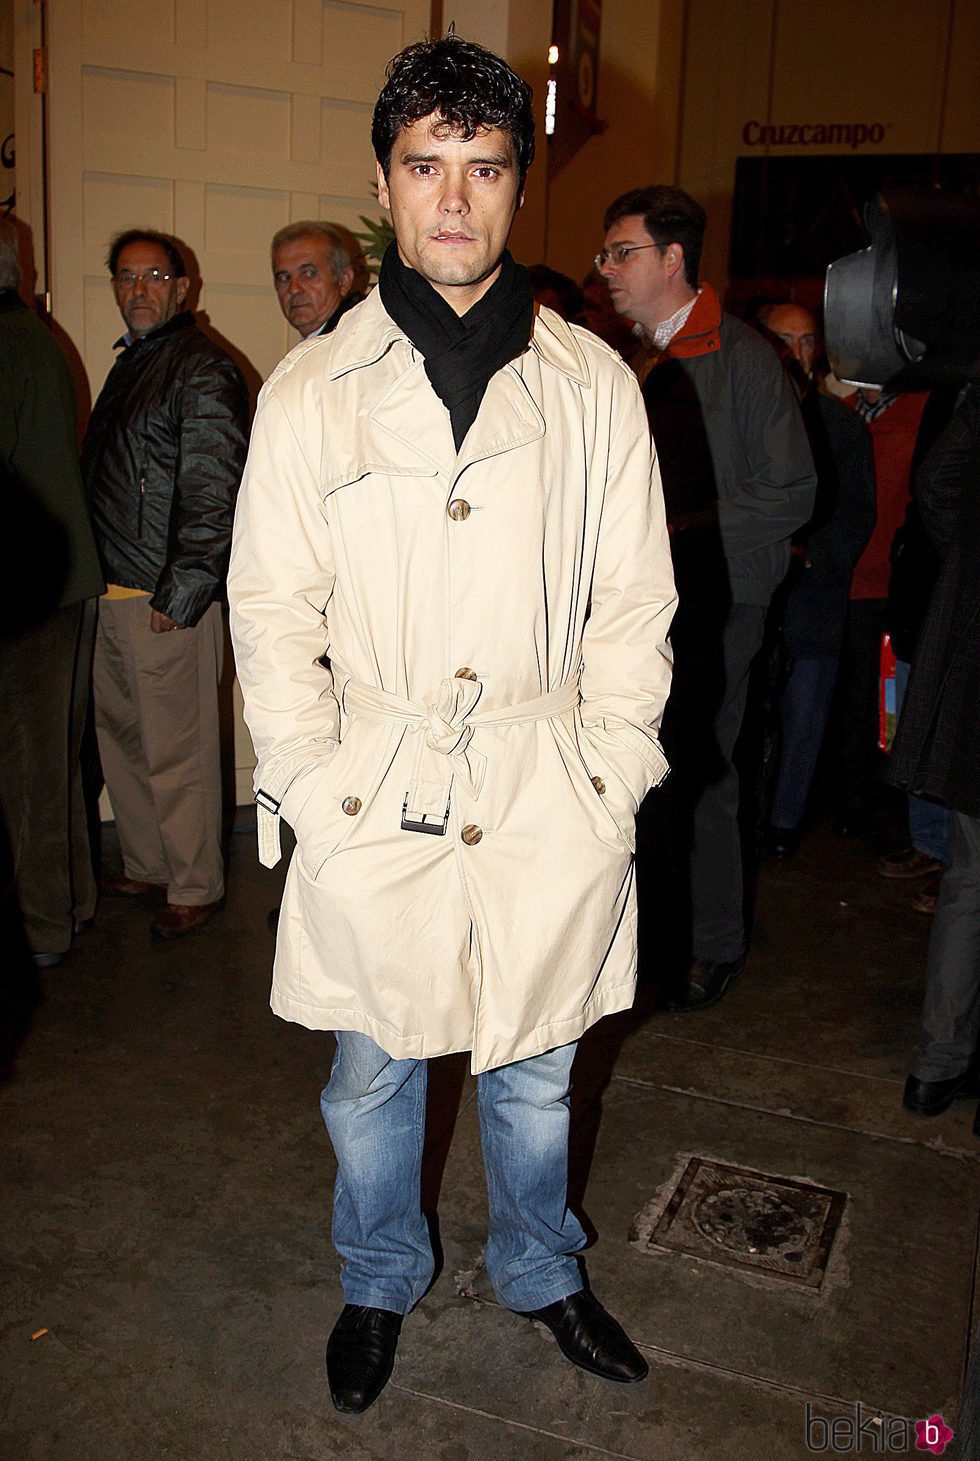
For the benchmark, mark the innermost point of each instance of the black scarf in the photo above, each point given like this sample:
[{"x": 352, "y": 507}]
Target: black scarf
[{"x": 461, "y": 352}]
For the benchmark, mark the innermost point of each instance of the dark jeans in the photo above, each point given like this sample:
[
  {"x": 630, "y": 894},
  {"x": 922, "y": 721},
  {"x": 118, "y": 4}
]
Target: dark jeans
[{"x": 44, "y": 689}]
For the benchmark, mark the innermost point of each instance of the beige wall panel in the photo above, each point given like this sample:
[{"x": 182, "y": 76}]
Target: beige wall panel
[
  {"x": 246, "y": 31},
  {"x": 190, "y": 113},
  {"x": 242, "y": 220},
  {"x": 238, "y": 115},
  {"x": 345, "y": 138},
  {"x": 191, "y": 24},
  {"x": 103, "y": 325},
  {"x": 112, "y": 202},
  {"x": 821, "y": 74},
  {"x": 103, "y": 24},
  {"x": 240, "y": 311},
  {"x": 243, "y": 120},
  {"x": 347, "y": 211},
  {"x": 189, "y": 211},
  {"x": 126, "y": 107},
  {"x": 359, "y": 41}
]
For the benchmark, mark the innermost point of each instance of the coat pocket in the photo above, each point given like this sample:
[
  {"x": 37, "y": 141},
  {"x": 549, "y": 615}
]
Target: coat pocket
[
  {"x": 606, "y": 801},
  {"x": 328, "y": 805}
]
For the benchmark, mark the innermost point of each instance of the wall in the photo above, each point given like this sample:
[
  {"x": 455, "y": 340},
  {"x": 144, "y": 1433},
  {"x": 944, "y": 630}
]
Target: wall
[
  {"x": 908, "y": 66},
  {"x": 211, "y": 119}
]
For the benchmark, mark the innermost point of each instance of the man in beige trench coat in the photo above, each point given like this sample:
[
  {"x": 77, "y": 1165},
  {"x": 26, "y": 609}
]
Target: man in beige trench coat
[{"x": 453, "y": 498}]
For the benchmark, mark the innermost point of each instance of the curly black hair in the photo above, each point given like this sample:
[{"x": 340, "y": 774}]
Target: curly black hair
[{"x": 467, "y": 86}]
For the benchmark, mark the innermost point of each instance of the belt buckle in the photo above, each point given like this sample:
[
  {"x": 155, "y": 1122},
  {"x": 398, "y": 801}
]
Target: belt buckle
[{"x": 432, "y": 823}]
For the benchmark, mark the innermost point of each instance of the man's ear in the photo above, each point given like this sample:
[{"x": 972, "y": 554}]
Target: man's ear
[
  {"x": 182, "y": 287},
  {"x": 384, "y": 198},
  {"x": 674, "y": 259},
  {"x": 345, "y": 281}
]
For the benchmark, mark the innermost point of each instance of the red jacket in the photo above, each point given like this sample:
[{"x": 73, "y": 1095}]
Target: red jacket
[{"x": 893, "y": 437}]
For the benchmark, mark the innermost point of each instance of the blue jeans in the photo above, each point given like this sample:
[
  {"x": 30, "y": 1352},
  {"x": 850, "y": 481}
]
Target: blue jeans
[
  {"x": 929, "y": 822},
  {"x": 374, "y": 1110}
]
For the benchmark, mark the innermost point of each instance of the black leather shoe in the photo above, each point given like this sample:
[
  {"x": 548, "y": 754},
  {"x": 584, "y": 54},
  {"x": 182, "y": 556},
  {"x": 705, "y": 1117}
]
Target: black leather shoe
[
  {"x": 592, "y": 1339},
  {"x": 361, "y": 1356},
  {"x": 707, "y": 983},
  {"x": 932, "y": 1098}
]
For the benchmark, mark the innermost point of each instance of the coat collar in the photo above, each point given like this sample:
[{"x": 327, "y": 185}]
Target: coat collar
[
  {"x": 414, "y": 421},
  {"x": 182, "y": 320},
  {"x": 700, "y": 333},
  {"x": 369, "y": 332}
]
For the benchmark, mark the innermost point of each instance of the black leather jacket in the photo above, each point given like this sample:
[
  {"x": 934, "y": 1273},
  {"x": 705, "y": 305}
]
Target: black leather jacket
[{"x": 162, "y": 461}]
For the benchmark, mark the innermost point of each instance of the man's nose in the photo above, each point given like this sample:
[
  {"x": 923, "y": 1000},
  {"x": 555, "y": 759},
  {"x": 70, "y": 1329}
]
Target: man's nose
[{"x": 454, "y": 197}]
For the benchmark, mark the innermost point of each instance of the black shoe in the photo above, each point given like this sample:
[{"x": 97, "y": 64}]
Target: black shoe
[
  {"x": 592, "y": 1339},
  {"x": 361, "y": 1356},
  {"x": 783, "y": 841},
  {"x": 932, "y": 1098},
  {"x": 708, "y": 982}
]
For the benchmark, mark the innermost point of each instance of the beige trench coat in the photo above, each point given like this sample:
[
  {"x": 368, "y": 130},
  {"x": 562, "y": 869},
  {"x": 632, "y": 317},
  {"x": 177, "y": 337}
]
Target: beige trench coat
[{"x": 463, "y": 779}]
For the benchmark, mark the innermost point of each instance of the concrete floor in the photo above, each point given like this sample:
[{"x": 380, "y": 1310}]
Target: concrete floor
[{"x": 166, "y": 1194}]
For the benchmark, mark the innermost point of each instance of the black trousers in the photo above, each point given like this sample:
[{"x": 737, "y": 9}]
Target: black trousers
[{"x": 44, "y": 690}]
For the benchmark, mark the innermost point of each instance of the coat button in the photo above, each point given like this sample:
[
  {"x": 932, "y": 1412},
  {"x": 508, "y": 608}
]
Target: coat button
[
  {"x": 599, "y": 785},
  {"x": 351, "y": 805},
  {"x": 466, "y": 673},
  {"x": 471, "y": 835},
  {"x": 459, "y": 510}
]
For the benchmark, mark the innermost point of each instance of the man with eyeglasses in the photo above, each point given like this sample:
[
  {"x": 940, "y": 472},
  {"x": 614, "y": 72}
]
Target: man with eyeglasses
[
  {"x": 738, "y": 480},
  {"x": 162, "y": 460}
]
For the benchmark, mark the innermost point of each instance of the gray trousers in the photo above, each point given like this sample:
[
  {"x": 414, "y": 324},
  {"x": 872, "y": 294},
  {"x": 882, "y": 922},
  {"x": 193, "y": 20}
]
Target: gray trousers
[
  {"x": 156, "y": 715},
  {"x": 951, "y": 1011}
]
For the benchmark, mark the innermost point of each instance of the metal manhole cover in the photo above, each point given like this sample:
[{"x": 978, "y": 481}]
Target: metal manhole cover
[{"x": 746, "y": 1219}]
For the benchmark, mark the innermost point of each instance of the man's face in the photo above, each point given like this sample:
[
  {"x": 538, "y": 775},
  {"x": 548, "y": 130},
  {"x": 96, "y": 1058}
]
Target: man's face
[
  {"x": 452, "y": 204},
  {"x": 797, "y": 330},
  {"x": 143, "y": 303},
  {"x": 307, "y": 290},
  {"x": 643, "y": 285}
]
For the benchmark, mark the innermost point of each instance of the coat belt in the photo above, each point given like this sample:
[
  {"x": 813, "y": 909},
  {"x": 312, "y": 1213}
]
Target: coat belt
[{"x": 449, "y": 723}]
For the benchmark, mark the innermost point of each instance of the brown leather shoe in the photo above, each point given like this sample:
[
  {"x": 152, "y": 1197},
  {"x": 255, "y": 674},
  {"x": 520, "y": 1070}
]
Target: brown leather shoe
[
  {"x": 179, "y": 919},
  {"x": 123, "y": 887}
]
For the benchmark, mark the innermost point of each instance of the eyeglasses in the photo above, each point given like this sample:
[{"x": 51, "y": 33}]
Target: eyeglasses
[
  {"x": 619, "y": 253},
  {"x": 126, "y": 278}
]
